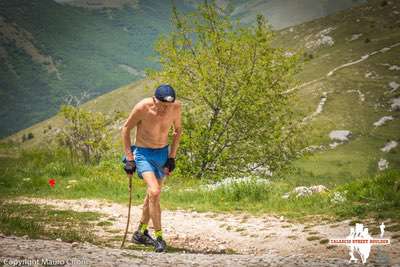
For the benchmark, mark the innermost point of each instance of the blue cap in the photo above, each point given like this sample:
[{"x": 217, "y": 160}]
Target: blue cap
[{"x": 165, "y": 93}]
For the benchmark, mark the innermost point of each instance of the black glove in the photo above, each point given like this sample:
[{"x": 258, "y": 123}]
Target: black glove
[
  {"x": 170, "y": 164},
  {"x": 130, "y": 167}
]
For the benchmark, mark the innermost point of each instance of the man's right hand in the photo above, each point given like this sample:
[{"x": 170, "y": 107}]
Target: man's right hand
[{"x": 130, "y": 167}]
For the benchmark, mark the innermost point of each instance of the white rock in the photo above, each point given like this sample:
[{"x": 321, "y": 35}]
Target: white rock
[
  {"x": 395, "y": 104},
  {"x": 394, "y": 86},
  {"x": 389, "y": 146},
  {"x": 334, "y": 145},
  {"x": 58, "y": 239},
  {"x": 302, "y": 191},
  {"x": 323, "y": 39},
  {"x": 318, "y": 188},
  {"x": 327, "y": 40},
  {"x": 394, "y": 67},
  {"x": 312, "y": 148},
  {"x": 355, "y": 36},
  {"x": 383, "y": 164},
  {"x": 370, "y": 74},
  {"x": 319, "y": 107},
  {"x": 288, "y": 54},
  {"x": 341, "y": 135},
  {"x": 382, "y": 120},
  {"x": 326, "y": 31}
]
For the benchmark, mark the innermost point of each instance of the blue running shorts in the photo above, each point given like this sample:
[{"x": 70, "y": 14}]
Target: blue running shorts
[{"x": 150, "y": 160}]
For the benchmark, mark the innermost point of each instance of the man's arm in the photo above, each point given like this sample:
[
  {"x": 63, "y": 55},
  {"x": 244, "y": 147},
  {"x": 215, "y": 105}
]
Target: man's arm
[
  {"x": 132, "y": 121},
  {"x": 177, "y": 126}
]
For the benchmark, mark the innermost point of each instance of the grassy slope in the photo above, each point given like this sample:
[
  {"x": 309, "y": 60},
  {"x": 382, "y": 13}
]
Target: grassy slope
[
  {"x": 87, "y": 47},
  {"x": 343, "y": 110},
  {"x": 122, "y": 99}
]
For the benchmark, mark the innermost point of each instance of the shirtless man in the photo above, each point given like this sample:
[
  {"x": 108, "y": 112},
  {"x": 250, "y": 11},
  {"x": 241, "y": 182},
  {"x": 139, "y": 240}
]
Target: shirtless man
[{"x": 151, "y": 156}]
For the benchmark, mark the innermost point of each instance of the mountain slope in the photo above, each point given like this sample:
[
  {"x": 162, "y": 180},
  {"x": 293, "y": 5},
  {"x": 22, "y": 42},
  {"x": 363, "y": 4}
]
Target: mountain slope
[
  {"x": 284, "y": 13},
  {"x": 94, "y": 46},
  {"x": 348, "y": 82},
  {"x": 68, "y": 50}
]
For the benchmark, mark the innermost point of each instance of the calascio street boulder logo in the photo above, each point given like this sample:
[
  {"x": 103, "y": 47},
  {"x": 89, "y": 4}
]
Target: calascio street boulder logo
[{"x": 359, "y": 242}]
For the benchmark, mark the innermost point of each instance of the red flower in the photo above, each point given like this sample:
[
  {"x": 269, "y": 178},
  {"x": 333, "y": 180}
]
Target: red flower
[{"x": 52, "y": 182}]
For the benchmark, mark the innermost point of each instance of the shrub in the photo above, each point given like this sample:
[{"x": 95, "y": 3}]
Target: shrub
[
  {"x": 85, "y": 134},
  {"x": 29, "y": 136}
]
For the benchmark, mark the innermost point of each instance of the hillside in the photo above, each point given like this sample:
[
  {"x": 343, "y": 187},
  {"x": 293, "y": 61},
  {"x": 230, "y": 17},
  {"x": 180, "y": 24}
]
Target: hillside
[
  {"x": 293, "y": 13},
  {"x": 349, "y": 82},
  {"x": 91, "y": 47},
  {"x": 69, "y": 50}
]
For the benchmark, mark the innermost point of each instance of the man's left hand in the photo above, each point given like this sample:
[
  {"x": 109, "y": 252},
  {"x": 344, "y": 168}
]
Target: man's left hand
[{"x": 170, "y": 165}]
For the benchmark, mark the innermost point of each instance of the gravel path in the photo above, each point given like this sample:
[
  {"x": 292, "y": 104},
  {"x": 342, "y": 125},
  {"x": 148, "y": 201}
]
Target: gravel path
[
  {"x": 14, "y": 250},
  {"x": 255, "y": 241}
]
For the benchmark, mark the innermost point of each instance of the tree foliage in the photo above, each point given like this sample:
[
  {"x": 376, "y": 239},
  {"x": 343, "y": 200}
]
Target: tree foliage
[
  {"x": 233, "y": 82},
  {"x": 85, "y": 134}
]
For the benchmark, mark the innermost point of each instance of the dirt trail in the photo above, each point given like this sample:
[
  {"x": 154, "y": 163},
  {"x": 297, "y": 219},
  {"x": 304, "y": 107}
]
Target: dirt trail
[{"x": 256, "y": 241}]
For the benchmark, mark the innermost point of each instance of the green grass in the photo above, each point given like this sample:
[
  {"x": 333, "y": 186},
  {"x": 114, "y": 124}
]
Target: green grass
[
  {"x": 375, "y": 195},
  {"x": 45, "y": 222}
]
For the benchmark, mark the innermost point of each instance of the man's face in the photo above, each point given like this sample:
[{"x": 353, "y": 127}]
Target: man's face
[{"x": 160, "y": 104}]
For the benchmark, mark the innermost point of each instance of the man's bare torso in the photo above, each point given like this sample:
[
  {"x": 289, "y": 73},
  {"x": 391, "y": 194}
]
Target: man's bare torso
[{"x": 155, "y": 122}]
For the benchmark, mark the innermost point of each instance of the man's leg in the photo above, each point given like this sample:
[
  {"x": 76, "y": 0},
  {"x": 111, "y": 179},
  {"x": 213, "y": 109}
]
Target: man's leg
[
  {"x": 141, "y": 236},
  {"x": 145, "y": 211},
  {"x": 153, "y": 195},
  {"x": 153, "y": 191}
]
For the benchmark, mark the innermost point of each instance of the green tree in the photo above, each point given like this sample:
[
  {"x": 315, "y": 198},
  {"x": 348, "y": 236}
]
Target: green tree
[
  {"x": 237, "y": 113},
  {"x": 85, "y": 134}
]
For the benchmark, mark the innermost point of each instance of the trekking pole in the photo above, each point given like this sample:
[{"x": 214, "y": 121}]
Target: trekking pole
[{"x": 129, "y": 210}]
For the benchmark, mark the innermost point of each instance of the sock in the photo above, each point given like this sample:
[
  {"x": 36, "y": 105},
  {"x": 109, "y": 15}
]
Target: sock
[
  {"x": 142, "y": 227},
  {"x": 158, "y": 234}
]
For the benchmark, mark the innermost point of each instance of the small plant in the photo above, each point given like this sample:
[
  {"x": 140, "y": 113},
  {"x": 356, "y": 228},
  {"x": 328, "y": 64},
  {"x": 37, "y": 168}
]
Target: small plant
[
  {"x": 339, "y": 197},
  {"x": 86, "y": 134},
  {"x": 313, "y": 237},
  {"x": 308, "y": 56},
  {"x": 29, "y": 136},
  {"x": 324, "y": 241}
]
